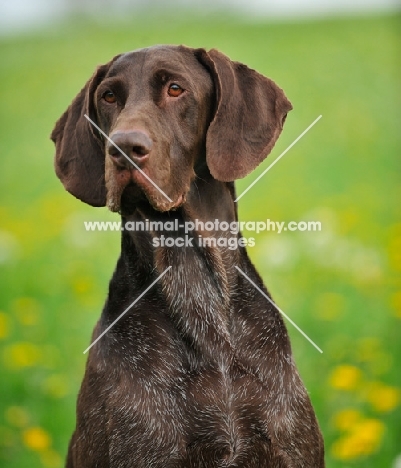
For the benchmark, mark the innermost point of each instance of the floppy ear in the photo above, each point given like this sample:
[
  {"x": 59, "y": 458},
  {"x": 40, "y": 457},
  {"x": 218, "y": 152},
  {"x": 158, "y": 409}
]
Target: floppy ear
[
  {"x": 79, "y": 160},
  {"x": 249, "y": 116}
]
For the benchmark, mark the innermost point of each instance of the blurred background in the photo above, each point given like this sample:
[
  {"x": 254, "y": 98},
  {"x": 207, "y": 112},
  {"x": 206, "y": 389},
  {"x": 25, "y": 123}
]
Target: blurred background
[{"x": 342, "y": 285}]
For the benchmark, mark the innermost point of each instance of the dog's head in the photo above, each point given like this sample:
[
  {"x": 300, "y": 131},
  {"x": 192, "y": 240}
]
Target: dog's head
[{"x": 145, "y": 122}]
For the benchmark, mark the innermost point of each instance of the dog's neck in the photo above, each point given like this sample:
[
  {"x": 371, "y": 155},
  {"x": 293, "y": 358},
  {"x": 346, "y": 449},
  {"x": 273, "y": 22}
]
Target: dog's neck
[{"x": 199, "y": 279}]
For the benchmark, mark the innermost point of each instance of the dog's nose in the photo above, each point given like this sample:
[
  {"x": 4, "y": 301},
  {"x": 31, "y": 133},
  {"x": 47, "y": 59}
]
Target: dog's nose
[{"x": 135, "y": 144}]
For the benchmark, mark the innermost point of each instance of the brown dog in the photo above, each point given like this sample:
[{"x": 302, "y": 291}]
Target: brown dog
[{"x": 199, "y": 371}]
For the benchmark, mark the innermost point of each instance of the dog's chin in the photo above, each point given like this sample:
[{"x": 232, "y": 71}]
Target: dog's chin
[
  {"x": 131, "y": 197},
  {"x": 128, "y": 198}
]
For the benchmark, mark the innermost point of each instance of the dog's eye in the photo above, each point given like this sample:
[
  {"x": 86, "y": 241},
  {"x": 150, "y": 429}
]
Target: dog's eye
[
  {"x": 174, "y": 90},
  {"x": 109, "y": 97}
]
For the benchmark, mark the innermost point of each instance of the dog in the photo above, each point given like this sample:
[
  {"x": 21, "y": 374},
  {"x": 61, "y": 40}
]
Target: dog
[{"x": 198, "y": 371}]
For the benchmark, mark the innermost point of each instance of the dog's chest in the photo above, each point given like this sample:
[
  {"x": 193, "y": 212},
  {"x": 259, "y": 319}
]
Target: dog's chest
[{"x": 204, "y": 417}]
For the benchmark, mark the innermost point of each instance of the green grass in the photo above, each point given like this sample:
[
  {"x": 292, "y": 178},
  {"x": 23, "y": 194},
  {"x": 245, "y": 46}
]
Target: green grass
[{"x": 342, "y": 285}]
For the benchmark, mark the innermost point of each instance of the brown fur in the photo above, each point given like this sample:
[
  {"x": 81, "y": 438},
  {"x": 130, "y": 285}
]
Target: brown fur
[{"x": 199, "y": 373}]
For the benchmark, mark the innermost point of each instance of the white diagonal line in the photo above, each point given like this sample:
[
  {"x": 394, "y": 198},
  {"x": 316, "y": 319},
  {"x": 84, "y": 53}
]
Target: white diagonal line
[
  {"x": 276, "y": 160},
  {"x": 278, "y": 308},
  {"x": 129, "y": 159},
  {"x": 127, "y": 309}
]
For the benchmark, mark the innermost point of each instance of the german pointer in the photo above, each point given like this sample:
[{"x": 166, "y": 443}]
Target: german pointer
[{"x": 199, "y": 372}]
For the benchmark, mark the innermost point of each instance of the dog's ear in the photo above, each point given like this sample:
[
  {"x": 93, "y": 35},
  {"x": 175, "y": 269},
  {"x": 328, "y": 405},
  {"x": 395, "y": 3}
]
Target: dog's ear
[
  {"x": 249, "y": 116},
  {"x": 79, "y": 160}
]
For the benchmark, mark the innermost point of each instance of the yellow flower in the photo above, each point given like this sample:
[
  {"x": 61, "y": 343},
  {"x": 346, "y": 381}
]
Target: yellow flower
[
  {"x": 383, "y": 398},
  {"x": 17, "y": 416},
  {"x": 367, "y": 435},
  {"x": 22, "y": 354},
  {"x": 345, "y": 419},
  {"x": 345, "y": 377},
  {"x": 363, "y": 439},
  {"x": 4, "y": 325},
  {"x": 36, "y": 438},
  {"x": 343, "y": 449}
]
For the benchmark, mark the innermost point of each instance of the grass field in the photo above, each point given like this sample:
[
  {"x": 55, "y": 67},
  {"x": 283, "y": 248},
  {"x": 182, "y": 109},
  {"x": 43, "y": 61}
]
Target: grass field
[{"x": 339, "y": 285}]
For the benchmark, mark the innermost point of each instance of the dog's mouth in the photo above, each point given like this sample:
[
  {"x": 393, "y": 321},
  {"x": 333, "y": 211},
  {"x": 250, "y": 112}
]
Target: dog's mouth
[{"x": 126, "y": 188}]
